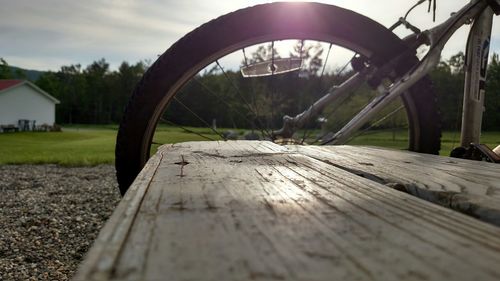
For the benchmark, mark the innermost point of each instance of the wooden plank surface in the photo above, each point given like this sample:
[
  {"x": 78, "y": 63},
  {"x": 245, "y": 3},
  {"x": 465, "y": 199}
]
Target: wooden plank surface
[
  {"x": 471, "y": 187},
  {"x": 250, "y": 210}
]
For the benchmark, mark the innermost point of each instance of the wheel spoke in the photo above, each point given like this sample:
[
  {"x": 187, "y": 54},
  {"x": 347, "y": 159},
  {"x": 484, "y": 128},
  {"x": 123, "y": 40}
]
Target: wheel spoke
[
  {"x": 306, "y": 135},
  {"x": 245, "y": 57},
  {"x": 383, "y": 118},
  {"x": 342, "y": 69},
  {"x": 208, "y": 90},
  {"x": 249, "y": 107},
  {"x": 326, "y": 60},
  {"x": 186, "y": 129},
  {"x": 199, "y": 118},
  {"x": 273, "y": 86}
]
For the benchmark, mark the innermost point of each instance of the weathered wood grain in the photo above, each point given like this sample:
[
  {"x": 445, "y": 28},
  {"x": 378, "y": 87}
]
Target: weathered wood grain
[
  {"x": 249, "y": 210},
  {"x": 471, "y": 187},
  {"x": 100, "y": 262}
]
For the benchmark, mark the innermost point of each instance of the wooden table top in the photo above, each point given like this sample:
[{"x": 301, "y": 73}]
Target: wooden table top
[{"x": 254, "y": 210}]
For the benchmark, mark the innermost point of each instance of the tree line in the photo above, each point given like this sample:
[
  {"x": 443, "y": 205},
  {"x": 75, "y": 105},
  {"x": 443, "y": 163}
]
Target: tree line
[
  {"x": 448, "y": 79},
  {"x": 95, "y": 94},
  {"x": 91, "y": 95}
]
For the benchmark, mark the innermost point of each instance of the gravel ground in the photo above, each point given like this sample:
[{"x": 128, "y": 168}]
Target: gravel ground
[{"x": 49, "y": 216}]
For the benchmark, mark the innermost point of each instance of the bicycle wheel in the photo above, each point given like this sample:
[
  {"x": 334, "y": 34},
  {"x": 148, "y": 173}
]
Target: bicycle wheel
[{"x": 161, "y": 84}]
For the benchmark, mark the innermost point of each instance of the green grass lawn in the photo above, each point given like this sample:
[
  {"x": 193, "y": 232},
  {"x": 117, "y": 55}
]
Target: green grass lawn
[
  {"x": 399, "y": 140},
  {"x": 70, "y": 147},
  {"x": 74, "y": 146},
  {"x": 92, "y": 145}
]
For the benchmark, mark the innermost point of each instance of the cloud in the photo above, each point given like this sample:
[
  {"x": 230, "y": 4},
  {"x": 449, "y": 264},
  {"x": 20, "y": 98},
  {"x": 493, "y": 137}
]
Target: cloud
[
  {"x": 44, "y": 34},
  {"x": 90, "y": 29}
]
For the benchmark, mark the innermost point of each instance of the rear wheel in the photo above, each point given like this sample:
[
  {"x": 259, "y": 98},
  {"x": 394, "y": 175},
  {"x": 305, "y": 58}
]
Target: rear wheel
[{"x": 256, "y": 34}]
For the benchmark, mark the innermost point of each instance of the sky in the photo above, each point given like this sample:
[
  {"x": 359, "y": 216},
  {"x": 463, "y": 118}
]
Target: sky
[{"x": 47, "y": 34}]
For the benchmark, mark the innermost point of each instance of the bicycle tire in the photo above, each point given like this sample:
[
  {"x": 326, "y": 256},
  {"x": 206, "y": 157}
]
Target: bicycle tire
[{"x": 268, "y": 21}]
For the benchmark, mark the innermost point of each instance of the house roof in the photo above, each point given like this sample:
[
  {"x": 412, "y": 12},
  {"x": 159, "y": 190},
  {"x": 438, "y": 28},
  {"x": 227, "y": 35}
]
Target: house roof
[{"x": 6, "y": 84}]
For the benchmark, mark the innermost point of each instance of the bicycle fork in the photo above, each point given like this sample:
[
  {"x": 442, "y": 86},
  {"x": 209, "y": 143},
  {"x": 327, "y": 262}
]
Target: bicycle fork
[{"x": 476, "y": 63}]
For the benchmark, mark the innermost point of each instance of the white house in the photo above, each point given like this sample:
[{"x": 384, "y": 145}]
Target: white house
[{"x": 23, "y": 103}]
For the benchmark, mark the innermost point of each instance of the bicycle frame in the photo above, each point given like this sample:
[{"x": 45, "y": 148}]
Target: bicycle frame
[{"x": 436, "y": 38}]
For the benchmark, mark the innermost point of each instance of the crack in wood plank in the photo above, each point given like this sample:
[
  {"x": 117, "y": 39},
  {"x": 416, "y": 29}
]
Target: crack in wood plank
[{"x": 480, "y": 207}]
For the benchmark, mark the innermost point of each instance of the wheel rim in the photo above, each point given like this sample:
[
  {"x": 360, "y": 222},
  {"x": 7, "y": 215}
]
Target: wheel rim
[
  {"x": 177, "y": 87},
  {"x": 253, "y": 25}
]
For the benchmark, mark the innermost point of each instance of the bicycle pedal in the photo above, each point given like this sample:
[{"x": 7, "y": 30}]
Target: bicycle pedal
[{"x": 479, "y": 152}]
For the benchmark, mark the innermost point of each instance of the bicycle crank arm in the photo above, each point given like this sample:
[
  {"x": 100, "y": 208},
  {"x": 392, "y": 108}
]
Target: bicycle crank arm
[{"x": 335, "y": 94}]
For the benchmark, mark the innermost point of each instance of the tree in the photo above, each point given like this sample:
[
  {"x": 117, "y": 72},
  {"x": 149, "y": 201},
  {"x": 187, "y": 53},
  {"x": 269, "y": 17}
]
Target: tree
[
  {"x": 98, "y": 91},
  {"x": 263, "y": 53},
  {"x": 457, "y": 63},
  {"x": 122, "y": 84},
  {"x": 310, "y": 55},
  {"x": 95, "y": 94},
  {"x": 491, "y": 116},
  {"x": 448, "y": 80},
  {"x": 73, "y": 87},
  {"x": 5, "y": 72}
]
